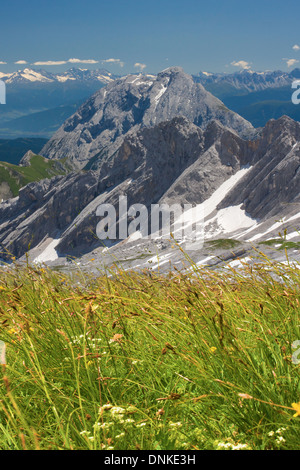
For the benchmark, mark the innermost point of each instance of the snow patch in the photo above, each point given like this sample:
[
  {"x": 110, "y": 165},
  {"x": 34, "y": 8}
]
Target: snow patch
[
  {"x": 160, "y": 93},
  {"x": 226, "y": 220},
  {"x": 49, "y": 253}
]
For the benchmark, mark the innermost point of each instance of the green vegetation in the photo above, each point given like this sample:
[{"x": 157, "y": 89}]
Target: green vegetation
[
  {"x": 281, "y": 244},
  {"x": 144, "y": 361},
  {"x": 40, "y": 168},
  {"x": 224, "y": 243}
]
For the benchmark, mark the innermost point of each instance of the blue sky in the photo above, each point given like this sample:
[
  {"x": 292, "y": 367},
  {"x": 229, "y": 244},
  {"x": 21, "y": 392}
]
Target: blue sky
[{"x": 150, "y": 35}]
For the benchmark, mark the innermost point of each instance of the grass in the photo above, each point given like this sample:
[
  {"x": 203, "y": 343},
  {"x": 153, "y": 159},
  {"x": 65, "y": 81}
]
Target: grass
[
  {"x": 144, "y": 361},
  {"x": 281, "y": 244},
  {"x": 40, "y": 168},
  {"x": 223, "y": 243}
]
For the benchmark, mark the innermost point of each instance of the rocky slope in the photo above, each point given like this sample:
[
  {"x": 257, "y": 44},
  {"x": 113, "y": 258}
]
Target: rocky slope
[
  {"x": 245, "y": 186},
  {"x": 133, "y": 102},
  {"x": 160, "y": 139}
]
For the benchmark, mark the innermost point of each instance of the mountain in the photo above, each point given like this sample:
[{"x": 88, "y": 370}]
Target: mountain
[
  {"x": 249, "y": 189},
  {"x": 133, "y": 102},
  {"x": 34, "y": 76},
  {"x": 247, "y": 80},
  {"x": 159, "y": 140},
  {"x": 57, "y": 96},
  {"x": 257, "y": 96}
]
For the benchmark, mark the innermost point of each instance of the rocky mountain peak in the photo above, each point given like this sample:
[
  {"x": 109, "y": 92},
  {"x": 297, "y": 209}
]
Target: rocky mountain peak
[{"x": 132, "y": 102}]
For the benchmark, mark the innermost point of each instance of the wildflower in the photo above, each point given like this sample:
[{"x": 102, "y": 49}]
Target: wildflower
[
  {"x": 103, "y": 425},
  {"x": 296, "y": 407},
  {"x": 117, "y": 412},
  {"x": 141, "y": 425},
  {"x": 212, "y": 349},
  {"x": 232, "y": 446},
  {"x": 280, "y": 430},
  {"x": 106, "y": 407},
  {"x": 280, "y": 440}
]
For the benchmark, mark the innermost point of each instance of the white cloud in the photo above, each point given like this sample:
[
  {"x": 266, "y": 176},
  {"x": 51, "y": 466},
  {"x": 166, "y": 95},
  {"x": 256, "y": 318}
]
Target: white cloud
[
  {"x": 63, "y": 62},
  {"x": 51, "y": 62},
  {"x": 113, "y": 61},
  {"x": 2, "y": 63},
  {"x": 140, "y": 66},
  {"x": 291, "y": 62},
  {"x": 83, "y": 61},
  {"x": 242, "y": 64},
  {"x": 296, "y": 47},
  {"x": 21, "y": 62}
]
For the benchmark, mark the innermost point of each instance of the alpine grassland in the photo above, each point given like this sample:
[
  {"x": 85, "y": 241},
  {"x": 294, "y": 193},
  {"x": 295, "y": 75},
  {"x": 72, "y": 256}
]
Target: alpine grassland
[{"x": 197, "y": 359}]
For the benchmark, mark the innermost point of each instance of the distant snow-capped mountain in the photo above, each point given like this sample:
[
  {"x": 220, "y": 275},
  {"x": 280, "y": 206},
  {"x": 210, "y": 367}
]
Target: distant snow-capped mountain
[
  {"x": 248, "y": 79},
  {"x": 41, "y": 76}
]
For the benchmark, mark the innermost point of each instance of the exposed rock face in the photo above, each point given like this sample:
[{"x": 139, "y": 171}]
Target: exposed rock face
[
  {"x": 174, "y": 161},
  {"x": 150, "y": 161},
  {"x": 133, "y": 102},
  {"x": 25, "y": 160},
  {"x": 5, "y": 191},
  {"x": 42, "y": 209},
  {"x": 274, "y": 181}
]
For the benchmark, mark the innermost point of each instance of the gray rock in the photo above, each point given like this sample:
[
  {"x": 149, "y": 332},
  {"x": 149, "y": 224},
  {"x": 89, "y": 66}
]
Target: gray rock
[
  {"x": 98, "y": 128},
  {"x": 25, "y": 160},
  {"x": 174, "y": 161},
  {"x": 273, "y": 183},
  {"x": 43, "y": 209}
]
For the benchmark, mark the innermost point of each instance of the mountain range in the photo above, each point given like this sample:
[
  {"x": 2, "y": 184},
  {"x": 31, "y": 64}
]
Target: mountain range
[
  {"x": 257, "y": 96},
  {"x": 39, "y": 102},
  {"x": 28, "y": 75},
  {"x": 159, "y": 139},
  {"x": 249, "y": 80}
]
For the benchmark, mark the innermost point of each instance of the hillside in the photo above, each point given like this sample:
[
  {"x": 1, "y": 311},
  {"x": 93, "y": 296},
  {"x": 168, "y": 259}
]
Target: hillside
[{"x": 14, "y": 177}]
